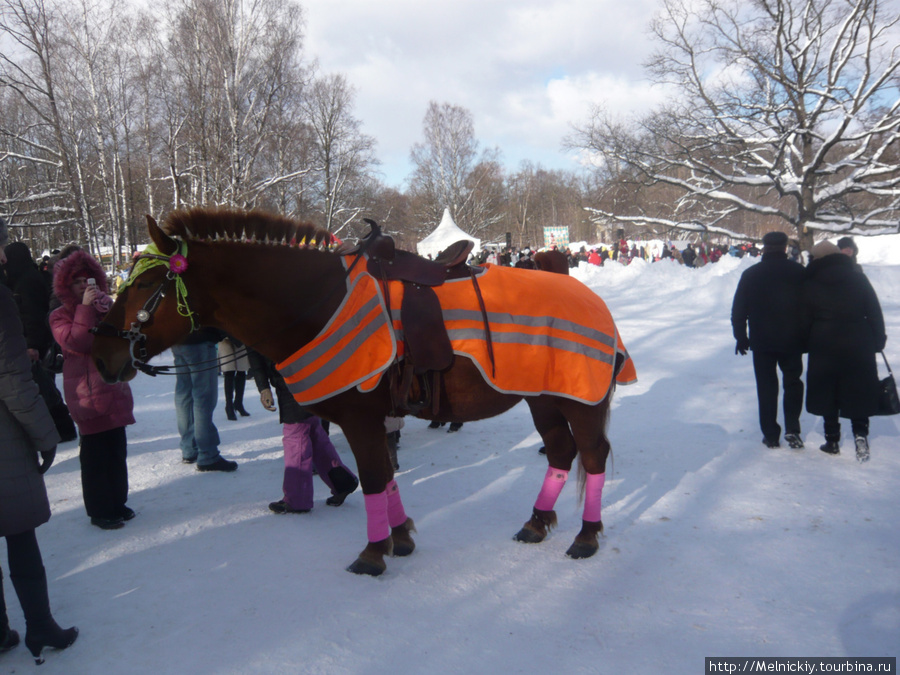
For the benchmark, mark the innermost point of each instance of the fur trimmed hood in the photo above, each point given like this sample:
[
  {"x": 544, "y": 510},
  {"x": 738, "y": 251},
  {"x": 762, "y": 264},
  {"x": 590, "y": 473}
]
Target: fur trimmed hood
[{"x": 70, "y": 267}]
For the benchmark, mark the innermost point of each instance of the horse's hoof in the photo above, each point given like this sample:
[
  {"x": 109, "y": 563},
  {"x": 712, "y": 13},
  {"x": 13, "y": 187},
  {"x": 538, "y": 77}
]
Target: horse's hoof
[
  {"x": 537, "y": 527},
  {"x": 361, "y": 566},
  {"x": 581, "y": 549},
  {"x": 401, "y": 536},
  {"x": 404, "y": 548},
  {"x": 528, "y": 536}
]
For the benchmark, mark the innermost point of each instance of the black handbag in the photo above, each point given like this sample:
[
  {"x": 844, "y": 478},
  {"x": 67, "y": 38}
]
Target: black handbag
[
  {"x": 888, "y": 401},
  {"x": 53, "y": 360}
]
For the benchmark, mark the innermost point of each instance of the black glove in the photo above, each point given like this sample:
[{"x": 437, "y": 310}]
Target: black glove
[
  {"x": 743, "y": 344},
  {"x": 47, "y": 457}
]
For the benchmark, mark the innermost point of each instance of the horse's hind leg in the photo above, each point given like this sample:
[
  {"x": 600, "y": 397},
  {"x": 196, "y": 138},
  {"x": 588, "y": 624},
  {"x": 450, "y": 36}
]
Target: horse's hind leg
[
  {"x": 561, "y": 451},
  {"x": 589, "y": 428}
]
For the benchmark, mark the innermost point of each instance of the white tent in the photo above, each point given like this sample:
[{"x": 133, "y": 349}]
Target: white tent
[{"x": 444, "y": 234}]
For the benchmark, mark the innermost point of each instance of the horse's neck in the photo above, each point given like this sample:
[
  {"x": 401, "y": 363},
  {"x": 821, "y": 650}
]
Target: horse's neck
[{"x": 279, "y": 300}]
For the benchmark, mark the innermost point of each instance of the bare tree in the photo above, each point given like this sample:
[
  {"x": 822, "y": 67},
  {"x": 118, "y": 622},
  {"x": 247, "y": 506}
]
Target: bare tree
[
  {"x": 537, "y": 198},
  {"x": 234, "y": 63},
  {"x": 343, "y": 154},
  {"x": 40, "y": 136},
  {"x": 449, "y": 172},
  {"x": 786, "y": 109}
]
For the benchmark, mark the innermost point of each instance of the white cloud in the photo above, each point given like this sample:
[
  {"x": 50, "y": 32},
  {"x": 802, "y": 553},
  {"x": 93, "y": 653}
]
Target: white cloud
[{"x": 526, "y": 69}]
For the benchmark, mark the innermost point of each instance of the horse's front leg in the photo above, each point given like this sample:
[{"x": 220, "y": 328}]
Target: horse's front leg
[{"x": 388, "y": 528}]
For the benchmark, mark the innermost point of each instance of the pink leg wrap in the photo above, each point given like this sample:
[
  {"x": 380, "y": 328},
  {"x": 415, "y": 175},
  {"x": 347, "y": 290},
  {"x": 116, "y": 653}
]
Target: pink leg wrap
[
  {"x": 377, "y": 516},
  {"x": 593, "y": 491},
  {"x": 553, "y": 485},
  {"x": 396, "y": 514}
]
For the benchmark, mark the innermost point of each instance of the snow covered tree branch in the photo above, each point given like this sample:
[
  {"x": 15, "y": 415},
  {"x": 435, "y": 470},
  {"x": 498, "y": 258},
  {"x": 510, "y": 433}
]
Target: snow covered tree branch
[{"x": 786, "y": 109}]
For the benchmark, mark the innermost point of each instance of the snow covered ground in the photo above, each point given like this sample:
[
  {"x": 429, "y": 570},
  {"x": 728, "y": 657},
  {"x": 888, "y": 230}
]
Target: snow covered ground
[{"x": 714, "y": 546}]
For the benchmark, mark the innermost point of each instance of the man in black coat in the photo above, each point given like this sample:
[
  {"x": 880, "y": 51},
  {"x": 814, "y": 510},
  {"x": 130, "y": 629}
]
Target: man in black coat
[{"x": 768, "y": 298}]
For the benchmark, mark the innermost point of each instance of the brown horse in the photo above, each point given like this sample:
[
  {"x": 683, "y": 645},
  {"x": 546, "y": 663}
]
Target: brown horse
[{"x": 206, "y": 268}]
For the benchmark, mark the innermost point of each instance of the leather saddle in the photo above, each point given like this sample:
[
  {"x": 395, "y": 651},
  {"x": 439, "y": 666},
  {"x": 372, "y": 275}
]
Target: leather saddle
[{"x": 427, "y": 344}]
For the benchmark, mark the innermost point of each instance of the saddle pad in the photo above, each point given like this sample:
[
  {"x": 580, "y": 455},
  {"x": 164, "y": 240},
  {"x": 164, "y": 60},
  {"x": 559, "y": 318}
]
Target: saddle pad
[
  {"x": 353, "y": 349},
  {"x": 550, "y": 334}
]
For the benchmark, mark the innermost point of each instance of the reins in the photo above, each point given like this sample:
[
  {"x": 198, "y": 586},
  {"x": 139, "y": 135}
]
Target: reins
[{"x": 177, "y": 264}]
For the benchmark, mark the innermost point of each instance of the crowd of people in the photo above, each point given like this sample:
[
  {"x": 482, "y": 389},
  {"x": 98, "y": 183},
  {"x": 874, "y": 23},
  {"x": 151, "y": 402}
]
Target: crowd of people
[
  {"x": 623, "y": 253},
  {"x": 780, "y": 311}
]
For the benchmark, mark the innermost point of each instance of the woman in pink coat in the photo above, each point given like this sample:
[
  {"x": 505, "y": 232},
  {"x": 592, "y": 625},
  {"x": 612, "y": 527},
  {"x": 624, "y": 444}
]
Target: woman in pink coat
[{"x": 100, "y": 410}]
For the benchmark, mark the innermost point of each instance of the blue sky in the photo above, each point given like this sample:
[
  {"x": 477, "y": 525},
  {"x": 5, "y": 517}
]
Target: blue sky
[{"x": 525, "y": 69}]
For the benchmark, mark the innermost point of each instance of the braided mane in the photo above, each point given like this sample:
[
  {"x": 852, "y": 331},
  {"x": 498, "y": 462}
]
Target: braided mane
[{"x": 249, "y": 227}]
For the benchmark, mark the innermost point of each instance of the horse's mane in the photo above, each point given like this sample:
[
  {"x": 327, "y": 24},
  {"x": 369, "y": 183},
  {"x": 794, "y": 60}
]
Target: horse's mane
[{"x": 252, "y": 227}]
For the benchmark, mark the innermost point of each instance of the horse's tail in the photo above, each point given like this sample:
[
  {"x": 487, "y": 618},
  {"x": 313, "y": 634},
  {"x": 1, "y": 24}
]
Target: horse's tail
[{"x": 604, "y": 410}]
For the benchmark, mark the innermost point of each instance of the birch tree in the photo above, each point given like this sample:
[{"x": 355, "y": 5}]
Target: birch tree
[
  {"x": 233, "y": 63},
  {"x": 450, "y": 173},
  {"x": 40, "y": 135},
  {"x": 785, "y": 109},
  {"x": 343, "y": 155}
]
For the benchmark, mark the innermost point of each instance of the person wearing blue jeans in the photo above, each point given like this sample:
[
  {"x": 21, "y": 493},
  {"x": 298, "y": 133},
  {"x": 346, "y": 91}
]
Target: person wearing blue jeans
[{"x": 196, "y": 394}]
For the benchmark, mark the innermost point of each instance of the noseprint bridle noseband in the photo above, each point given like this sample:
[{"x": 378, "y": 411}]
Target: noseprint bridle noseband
[{"x": 137, "y": 341}]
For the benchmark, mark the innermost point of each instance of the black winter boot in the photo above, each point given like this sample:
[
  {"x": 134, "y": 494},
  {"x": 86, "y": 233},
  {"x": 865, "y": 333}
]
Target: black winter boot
[
  {"x": 831, "y": 447},
  {"x": 229, "y": 395},
  {"x": 345, "y": 483},
  {"x": 862, "y": 447},
  {"x": 240, "y": 381},
  {"x": 41, "y": 630},
  {"x": 8, "y": 637}
]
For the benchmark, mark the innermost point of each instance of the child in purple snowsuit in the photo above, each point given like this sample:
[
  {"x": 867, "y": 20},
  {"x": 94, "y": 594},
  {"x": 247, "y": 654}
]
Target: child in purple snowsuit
[{"x": 306, "y": 445}]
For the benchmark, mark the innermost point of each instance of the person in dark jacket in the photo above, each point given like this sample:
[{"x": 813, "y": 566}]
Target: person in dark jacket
[
  {"x": 768, "y": 299},
  {"x": 32, "y": 295},
  {"x": 101, "y": 410},
  {"x": 196, "y": 395},
  {"x": 306, "y": 445},
  {"x": 26, "y": 433},
  {"x": 849, "y": 248},
  {"x": 844, "y": 330}
]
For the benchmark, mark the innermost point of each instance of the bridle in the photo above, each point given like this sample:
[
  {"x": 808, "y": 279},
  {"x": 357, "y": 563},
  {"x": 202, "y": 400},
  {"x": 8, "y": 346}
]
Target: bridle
[
  {"x": 177, "y": 264},
  {"x": 137, "y": 341}
]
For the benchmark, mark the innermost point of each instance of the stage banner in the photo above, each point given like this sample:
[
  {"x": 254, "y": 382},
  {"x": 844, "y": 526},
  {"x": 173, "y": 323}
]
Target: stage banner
[{"x": 556, "y": 236}]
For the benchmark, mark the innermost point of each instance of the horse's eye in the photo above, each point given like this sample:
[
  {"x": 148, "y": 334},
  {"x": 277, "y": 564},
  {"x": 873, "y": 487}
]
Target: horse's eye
[{"x": 142, "y": 285}]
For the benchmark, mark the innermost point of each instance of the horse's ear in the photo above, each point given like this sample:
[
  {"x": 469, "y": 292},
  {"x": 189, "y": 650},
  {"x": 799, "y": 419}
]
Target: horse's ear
[{"x": 165, "y": 243}]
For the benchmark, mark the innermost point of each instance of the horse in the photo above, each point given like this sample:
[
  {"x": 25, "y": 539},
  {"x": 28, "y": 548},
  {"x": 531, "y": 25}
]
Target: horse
[{"x": 206, "y": 267}]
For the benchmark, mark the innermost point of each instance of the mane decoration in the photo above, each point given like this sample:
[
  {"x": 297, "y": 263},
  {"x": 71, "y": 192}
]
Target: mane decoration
[{"x": 246, "y": 227}]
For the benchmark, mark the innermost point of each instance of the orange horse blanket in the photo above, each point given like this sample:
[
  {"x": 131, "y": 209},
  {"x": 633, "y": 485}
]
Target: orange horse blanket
[{"x": 550, "y": 334}]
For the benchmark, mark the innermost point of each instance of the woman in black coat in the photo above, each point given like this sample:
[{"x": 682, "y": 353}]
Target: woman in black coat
[
  {"x": 32, "y": 295},
  {"x": 844, "y": 330},
  {"x": 28, "y": 441}
]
